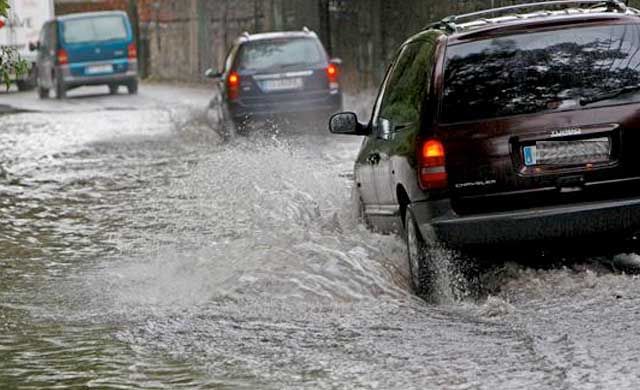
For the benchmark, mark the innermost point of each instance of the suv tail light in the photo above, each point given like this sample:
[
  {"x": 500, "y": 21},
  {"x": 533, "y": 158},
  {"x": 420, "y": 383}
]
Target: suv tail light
[
  {"x": 432, "y": 173},
  {"x": 132, "y": 51},
  {"x": 233, "y": 85},
  {"x": 333, "y": 73},
  {"x": 62, "y": 57}
]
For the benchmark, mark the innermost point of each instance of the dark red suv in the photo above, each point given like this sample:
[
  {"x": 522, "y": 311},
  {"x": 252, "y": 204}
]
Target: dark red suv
[{"x": 506, "y": 126}]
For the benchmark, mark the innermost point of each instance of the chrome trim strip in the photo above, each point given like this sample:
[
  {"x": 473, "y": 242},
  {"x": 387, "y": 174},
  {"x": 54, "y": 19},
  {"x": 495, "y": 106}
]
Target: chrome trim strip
[{"x": 383, "y": 210}]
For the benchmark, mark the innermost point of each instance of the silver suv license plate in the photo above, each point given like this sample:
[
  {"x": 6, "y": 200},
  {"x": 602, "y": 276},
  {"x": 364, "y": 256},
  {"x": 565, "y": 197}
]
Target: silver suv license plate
[
  {"x": 282, "y": 84},
  {"x": 593, "y": 150}
]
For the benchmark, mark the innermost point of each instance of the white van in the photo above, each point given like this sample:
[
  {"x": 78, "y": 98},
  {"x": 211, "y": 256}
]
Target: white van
[{"x": 21, "y": 28}]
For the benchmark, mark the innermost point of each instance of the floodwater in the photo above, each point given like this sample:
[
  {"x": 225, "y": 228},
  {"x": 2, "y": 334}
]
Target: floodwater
[{"x": 140, "y": 251}]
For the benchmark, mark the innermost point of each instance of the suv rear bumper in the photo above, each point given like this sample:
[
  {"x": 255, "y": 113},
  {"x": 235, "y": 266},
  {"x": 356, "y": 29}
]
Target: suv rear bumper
[
  {"x": 329, "y": 102},
  {"x": 72, "y": 80},
  {"x": 538, "y": 224}
]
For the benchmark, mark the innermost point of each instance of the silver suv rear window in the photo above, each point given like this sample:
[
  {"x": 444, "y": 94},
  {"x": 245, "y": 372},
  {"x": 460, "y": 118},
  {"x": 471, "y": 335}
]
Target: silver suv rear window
[{"x": 280, "y": 54}]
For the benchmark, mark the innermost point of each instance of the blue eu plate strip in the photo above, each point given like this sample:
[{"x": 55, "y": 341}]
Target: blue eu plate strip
[{"x": 529, "y": 155}]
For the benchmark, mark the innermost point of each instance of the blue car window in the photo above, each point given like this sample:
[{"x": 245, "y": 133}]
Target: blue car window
[{"x": 96, "y": 29}]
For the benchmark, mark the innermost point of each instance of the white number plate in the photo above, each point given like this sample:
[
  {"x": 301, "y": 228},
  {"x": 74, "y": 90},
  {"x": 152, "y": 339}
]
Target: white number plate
[
  {"x": 282, "y": 84},
  {"x": 97, "y": 69},
  {"x": 592, "y": 150}
]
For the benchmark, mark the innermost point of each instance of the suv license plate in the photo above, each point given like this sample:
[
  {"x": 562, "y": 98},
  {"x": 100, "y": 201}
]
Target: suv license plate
[
  {"x": 594, "y": 150},
  {"x": 282, "y": 84},
  {"x": 96, "y": 69}
]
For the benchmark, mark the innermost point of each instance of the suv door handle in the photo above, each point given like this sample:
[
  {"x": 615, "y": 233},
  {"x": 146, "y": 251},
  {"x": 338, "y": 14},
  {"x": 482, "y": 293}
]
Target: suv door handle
[{"x": 374, "y": 158}]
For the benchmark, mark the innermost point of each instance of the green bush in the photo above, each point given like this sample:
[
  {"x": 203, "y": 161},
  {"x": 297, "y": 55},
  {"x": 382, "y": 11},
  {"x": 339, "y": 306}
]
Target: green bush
[{"x": 10, "y": 62}]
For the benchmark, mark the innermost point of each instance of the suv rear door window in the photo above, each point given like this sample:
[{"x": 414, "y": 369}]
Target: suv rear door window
[
  {"x": 281, "y": 54},
  {"x": 537, "y": 72},
  {"x": 408, "y": 83},
  {"x": 94, "y": 29}
]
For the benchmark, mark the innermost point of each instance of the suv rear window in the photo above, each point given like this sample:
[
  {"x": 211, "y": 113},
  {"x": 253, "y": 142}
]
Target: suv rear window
[
  {"x": 94, "y": 29},
  {"x": 281, "y": 53},
  {"x": 537, "y": 72}
]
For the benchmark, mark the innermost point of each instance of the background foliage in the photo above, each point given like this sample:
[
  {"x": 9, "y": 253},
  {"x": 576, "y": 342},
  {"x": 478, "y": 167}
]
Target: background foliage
[{"x": 11, "y": 64}]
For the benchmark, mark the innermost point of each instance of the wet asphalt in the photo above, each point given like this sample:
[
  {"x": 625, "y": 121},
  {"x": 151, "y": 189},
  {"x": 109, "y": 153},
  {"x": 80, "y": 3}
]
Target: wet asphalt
[{"x": 140, "y": 249}]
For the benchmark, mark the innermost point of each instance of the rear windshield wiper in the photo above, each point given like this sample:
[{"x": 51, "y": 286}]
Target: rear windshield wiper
[
  {"x": 292, "y": 65},
  {"x": 608, "y": 95}
]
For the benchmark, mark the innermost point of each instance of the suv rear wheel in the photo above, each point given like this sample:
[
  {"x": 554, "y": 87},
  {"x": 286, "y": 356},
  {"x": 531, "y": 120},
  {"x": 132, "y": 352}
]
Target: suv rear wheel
[
  {"x": 229, "y": 126},
  {"x": 438, "y": 274},
  {"x": 419, "y": 258},
  {"x": 43, "y": 93},
  {"x": 61, "y": 88},
  {"x": 132, "y": 87}
]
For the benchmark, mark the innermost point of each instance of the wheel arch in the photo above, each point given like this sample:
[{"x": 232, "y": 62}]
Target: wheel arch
[{"x": 403, "y": 200}]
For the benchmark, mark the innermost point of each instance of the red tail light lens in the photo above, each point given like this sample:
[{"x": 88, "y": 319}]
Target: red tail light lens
[
  {"x": 132, "y": 51},
  {"x": 233, "y": 85},
  {"x": 432, "y": 174},
  {"x": 333, "y": 73},
  {"x": 234, "y": 79},
  {"x": 62, "y": 57}
]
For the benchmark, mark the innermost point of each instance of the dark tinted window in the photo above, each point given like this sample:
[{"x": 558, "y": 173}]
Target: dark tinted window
[
  {"x": 94, "y": 29},
  {"x": 539, "y": 72},
  {"x": 408, "y": 83},
  {"x": 46, "y": 37},
  {"x": 280, "y": 53}
]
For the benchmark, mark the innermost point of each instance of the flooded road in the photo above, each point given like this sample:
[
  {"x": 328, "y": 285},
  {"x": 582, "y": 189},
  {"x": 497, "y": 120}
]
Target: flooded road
[{"x": 138, "y": 250}]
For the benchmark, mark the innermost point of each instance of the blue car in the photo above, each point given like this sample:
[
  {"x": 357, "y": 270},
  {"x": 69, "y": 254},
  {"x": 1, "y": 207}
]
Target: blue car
[{"x": 86, "y": 49}]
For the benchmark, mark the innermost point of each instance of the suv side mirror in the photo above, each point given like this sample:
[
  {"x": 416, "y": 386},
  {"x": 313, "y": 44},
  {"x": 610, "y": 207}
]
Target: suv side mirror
[
  {"x": 212, "y": 74},
  {"x": 34, "y": 46},
  {"x": 336, "y": 61},
  {"x": 346, "y": 123}
]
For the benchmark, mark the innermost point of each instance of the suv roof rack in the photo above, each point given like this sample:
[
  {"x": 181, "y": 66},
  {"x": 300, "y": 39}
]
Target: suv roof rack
[
  {"x": 450, "y": 22},
  {"x": 246, "y": 35}
]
